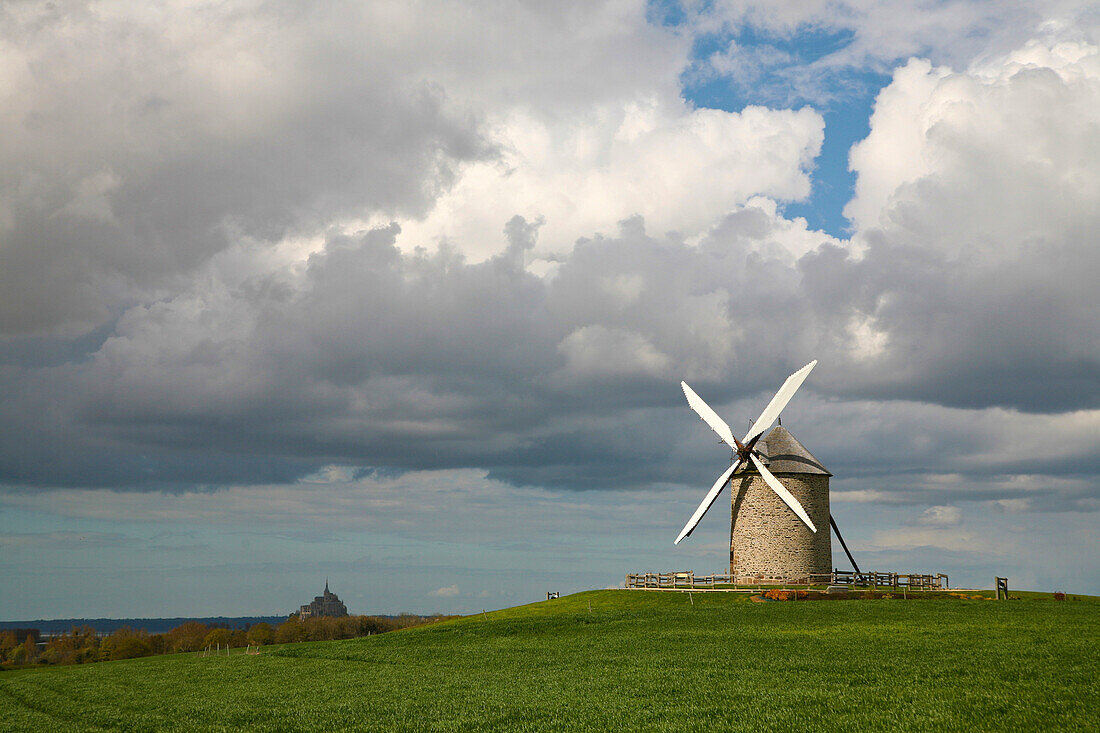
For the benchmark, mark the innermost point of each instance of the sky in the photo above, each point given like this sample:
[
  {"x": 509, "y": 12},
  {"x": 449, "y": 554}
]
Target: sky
[{"x": 400, "y": 294}]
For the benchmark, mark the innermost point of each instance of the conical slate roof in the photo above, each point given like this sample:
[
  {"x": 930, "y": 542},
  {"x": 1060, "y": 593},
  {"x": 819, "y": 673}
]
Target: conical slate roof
[{"x": 786, "y": 455}]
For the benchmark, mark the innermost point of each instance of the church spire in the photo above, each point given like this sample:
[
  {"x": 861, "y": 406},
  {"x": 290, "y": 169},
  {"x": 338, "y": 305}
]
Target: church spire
[{"x": 326, "y": 586}]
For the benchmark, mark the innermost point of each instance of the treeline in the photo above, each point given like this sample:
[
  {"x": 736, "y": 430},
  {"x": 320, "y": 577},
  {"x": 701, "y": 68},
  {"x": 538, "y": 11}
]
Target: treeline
[
  {"x": 154, "y": 625},
  {"x": 20, "y": 648}
]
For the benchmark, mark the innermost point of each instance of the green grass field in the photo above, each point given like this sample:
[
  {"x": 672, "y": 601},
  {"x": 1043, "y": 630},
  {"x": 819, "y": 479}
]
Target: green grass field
[{"x": 638, "y": 660}]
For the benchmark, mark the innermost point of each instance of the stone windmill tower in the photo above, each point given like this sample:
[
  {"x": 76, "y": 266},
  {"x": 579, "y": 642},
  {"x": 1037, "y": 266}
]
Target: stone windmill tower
[
  {"x": 768, "y": 540},
  {"x": 779, "y": 522}
]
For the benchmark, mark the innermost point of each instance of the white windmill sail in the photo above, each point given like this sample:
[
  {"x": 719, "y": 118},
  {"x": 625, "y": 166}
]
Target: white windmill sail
[
  {"x": 786, "y": 496},
  {"x": 707, "y": 501},
  {"x": 744, "y": 454},
  {"x": 782, "y": 397},
  {"x": 710, "y": 417}
]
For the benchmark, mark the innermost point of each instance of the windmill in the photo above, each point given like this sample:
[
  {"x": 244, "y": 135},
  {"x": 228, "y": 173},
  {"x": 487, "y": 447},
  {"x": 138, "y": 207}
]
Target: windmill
[
  {"x": 771, "y": 533},
  {"x": 745, "y": 450}
]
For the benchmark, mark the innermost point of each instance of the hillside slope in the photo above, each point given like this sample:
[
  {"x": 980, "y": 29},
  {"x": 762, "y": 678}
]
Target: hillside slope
[{"x": 637, "y": 660}]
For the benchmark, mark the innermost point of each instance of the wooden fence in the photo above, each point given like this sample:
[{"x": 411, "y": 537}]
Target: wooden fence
[
  {"x": 685, "y": 580},
  {"x": 688, "y": 580},
  {"x": 910, "y": 581}
]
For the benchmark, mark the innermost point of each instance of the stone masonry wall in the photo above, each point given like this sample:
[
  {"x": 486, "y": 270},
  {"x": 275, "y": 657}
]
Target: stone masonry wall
[{"x": 767, "y": 539}]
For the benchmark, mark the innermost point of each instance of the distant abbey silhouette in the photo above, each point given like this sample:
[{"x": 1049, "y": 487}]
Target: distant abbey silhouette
[{"x": 326, "y": 604}]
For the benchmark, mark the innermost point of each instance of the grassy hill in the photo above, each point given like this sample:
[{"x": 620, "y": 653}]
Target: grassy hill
[{"x": 637, "y": 660}]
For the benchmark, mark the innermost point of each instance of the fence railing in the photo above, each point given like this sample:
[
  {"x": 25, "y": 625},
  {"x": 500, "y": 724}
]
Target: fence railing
[
  {"x": 688, "y": 580},
  {"x": 910, "y": 581},
  {"x": 685, "y": 579}
]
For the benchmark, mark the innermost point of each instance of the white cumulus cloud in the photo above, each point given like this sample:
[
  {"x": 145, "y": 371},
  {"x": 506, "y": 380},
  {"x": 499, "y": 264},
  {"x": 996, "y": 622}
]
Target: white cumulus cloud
[
  {"x": 447, "y": 591},
  {"x": 940, "y": 516}
]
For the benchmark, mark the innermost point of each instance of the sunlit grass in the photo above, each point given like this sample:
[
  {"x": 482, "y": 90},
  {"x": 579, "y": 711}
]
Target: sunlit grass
[{"x": 639, "y": 660}]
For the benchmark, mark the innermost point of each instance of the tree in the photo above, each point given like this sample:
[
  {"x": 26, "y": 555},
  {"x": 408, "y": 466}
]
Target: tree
[
  {"x": 289, "y": 631},
  {"x": 158, "y": 643},
  {"x": 216, "y": 638},
  {"x": 187, "y": 637},
  {"x": 85, "y": 643},
  {"x": 25, "y": 653},
  {"x": 8, "y": 642},
  {"x": 60, "y": 650},
  {"x": 125, "y": 643},
  {"x": 261, "y": 634}
]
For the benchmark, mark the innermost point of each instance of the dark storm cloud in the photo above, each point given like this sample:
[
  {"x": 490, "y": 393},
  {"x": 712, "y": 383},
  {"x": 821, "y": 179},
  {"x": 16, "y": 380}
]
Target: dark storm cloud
[
  {"x": 124, "y": 169},
  {"x": 1011, "y": 333},
  {"x": 380, "y": 358},
  {"x": 155, "y": 212},
  {"x": 415, "y": 361}
]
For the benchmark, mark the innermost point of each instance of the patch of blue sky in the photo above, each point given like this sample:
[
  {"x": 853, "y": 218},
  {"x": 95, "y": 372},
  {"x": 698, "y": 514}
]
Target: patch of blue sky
[
  {"x": 833, "y": 183},
  {"x": 748, "y": 65}
]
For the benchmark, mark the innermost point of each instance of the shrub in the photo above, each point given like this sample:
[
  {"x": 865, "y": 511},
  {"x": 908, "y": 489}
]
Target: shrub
[
  {"x": 785, "y": 595},
  {"x": 129, "y": 648}
]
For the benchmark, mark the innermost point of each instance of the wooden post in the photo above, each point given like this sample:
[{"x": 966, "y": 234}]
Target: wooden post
[{"x": 1002, "y": 587}]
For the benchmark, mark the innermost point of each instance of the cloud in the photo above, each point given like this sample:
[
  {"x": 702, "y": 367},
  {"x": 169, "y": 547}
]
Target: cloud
[
  {"x": 448, "y": 591},
  {"x": 975, "y": 196},
  {"x": 405, "y": 359},
  {"x": 940, "y": 516},
  {"x": 308, "y": 234},
  {"x": 1013, "y": 506},
  {"x": 608, "y": 240},
  {"x": 64, "y": 540},
  {"x": 592, "y": 351},
  {"x": 955, "y": 540},
  {"x": 423, "y": 280},
  {"x": 682, "y": 168},
  {"x": 133, "y": 154},
  {"x": 465, "y": 505},
  {"x": 763, "y": 58}
]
